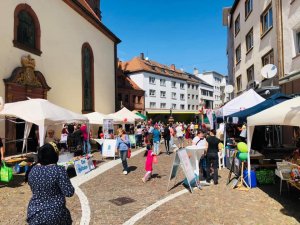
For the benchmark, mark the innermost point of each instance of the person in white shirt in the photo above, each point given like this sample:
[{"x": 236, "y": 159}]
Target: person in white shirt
[
  {"x": 179, "y": 135},
  {"x": 201, "y": 142}
]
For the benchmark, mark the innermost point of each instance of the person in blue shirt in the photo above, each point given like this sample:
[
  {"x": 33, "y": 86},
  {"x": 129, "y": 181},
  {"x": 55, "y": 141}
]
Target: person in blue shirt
[
  {"x": 123, "y": 146},
  {"x": 156, "y": 140}
]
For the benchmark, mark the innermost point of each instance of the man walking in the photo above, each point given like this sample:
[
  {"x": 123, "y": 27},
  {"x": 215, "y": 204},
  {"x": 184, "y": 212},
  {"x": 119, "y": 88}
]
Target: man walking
[{"x": 167, "y": 137}]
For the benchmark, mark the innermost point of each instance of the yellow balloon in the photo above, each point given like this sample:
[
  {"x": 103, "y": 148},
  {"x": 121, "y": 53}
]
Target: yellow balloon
[{"x": 242, "y": 147}]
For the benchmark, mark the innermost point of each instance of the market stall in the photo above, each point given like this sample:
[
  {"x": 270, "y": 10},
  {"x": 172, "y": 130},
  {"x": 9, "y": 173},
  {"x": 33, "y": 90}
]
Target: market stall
[
  {"x": 244, "y": 101},
  {"x": 286, "y": 113},
  {"x": 241, "y": 116},
  {"x": 42, "y": 113}
]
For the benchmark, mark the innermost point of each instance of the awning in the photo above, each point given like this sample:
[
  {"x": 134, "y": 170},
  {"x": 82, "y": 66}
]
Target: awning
[{"x": 141, "y": 115}]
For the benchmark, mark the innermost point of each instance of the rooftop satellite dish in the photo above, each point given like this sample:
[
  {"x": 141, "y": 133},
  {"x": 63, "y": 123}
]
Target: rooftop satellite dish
[
  {"x": 269, "y": 71},
  {"x": 1, "y": 103},
  {"x": 229, "y": 89}
]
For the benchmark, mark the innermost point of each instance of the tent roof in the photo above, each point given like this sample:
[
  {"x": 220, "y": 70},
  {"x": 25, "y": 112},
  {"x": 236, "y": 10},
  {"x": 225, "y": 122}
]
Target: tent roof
[
  {"x": 244, "y": 101},
  {"x": 271, "y": 101},
  {"x": 97, "y": 118},
  {"x": 124, "y": 113},
  {"x": 41, "y": 112},
  {"x": 286, "y": 113}
]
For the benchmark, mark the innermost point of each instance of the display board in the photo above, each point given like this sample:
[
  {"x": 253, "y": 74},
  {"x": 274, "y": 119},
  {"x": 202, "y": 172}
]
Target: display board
[
  {"x": 187, "y": 166},
  {"x": 175, "y": 167},
  {"x": 181, "y": 159},
  {"x": 81, "y": 166},
  {"x": 108, "y": 127},
  {"x": 109, "y": 148}
]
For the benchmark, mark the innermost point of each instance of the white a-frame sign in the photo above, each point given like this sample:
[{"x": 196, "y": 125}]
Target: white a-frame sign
[{"x": 181, "y": 159}]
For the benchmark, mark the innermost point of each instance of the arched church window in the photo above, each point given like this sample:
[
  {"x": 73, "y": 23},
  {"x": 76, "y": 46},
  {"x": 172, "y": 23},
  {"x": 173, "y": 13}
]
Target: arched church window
[
  {"x": 27, "y": 31},
  {"x": 87, "y": 78}
]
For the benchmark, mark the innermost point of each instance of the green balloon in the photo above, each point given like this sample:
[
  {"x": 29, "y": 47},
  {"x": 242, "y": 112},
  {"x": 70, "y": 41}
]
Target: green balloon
[
  {"x": 242, "y": 147},
  {"x": 243, "y": 156}
]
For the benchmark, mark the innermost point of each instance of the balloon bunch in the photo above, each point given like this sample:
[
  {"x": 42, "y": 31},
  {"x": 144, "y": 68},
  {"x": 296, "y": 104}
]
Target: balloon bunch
[{"x": 242, "y": 151}]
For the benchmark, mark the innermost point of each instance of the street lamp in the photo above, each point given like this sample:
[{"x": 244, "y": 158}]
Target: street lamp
[{"x": 171, "y": 119}]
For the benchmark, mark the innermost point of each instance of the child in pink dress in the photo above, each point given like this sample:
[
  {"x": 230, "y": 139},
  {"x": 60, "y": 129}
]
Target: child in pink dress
[{"x": 148, "y": 164}]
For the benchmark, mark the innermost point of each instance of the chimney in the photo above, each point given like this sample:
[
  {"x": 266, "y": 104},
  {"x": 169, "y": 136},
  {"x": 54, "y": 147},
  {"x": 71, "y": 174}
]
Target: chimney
[
  {"x": 142, "y": 56},
  {"x": 196, "y": 71},
  {"x": 172, "y": 66}
]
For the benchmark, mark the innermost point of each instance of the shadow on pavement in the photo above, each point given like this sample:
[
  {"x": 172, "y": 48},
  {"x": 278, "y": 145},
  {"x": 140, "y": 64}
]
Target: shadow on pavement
[
  {"x": 18, "y": 181},
  {"x": 289, "y": 200},
  {"x": 131, "y": 168},
  {"x": 155, "y": 175}
]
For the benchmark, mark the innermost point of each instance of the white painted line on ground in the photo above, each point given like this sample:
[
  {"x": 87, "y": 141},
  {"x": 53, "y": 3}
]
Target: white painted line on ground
[
  {"x": 150, "y": 208},
  {"x": 84, "y": 202},
  {"x": 79, "y": 180}
]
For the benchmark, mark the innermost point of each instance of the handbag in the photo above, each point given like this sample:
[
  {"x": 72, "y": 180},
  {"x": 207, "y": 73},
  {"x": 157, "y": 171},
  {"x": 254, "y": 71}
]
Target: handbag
[
  {"x": 6, "y": 173},
  {"x": 155, "y": 160},
  {"x": 128, "y": 153}
]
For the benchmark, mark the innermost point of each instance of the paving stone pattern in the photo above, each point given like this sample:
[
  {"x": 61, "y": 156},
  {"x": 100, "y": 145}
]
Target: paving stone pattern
[
  {"x": 220, "y": 204},
  {"x": 217, "y": 204},
  {"x": 113, "y": 184}
]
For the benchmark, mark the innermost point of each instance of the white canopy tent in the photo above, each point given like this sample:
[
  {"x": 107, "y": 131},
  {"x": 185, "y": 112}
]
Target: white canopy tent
[
  {"x": 126, "y": 115},
  {"x": 42, "y": 113},
  {"x": 246, "y": 100},
  {"x": 286, "y": 113},
  {"x": 97, "y": 118}
]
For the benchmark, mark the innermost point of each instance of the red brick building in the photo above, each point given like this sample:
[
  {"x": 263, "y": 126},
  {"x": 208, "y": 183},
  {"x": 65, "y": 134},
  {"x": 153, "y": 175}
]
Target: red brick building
[{"x": 128, "y": 94}]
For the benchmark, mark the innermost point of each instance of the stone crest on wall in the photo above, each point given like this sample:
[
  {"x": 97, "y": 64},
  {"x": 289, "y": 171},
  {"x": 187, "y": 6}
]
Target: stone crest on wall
[{"x": 27, "y": 75}]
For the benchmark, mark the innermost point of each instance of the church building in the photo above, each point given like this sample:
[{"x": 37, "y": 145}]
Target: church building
[{"x": 57, "y": 50}]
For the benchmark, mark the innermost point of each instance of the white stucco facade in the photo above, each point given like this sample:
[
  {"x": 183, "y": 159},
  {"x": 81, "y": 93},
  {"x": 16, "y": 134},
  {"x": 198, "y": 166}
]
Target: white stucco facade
[
  {"x": 263, "y": 43},
  {"x": 216, "y": 80},
  {"x": 291, "y": 30},
  {"x": 63, "y": 32},
  {"x": 157, "y": 101}
]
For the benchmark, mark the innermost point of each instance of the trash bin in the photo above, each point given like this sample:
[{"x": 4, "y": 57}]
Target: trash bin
[{"x": 252, "y": 178}]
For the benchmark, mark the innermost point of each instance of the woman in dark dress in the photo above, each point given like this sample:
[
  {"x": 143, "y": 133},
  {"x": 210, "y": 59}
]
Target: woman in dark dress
[{"x": 50, "y": 185}]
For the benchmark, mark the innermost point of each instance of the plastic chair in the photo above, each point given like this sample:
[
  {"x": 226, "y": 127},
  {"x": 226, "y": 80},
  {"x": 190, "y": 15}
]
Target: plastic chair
[
  {"x": 283, "y": 171},
  {"x": 221, "y": 157}
]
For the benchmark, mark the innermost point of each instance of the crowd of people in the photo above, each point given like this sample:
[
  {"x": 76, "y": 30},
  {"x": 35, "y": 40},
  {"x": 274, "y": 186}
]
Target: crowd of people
[
  {"x": 50, "y": 183},
  {"x": 179, "y": 134}
]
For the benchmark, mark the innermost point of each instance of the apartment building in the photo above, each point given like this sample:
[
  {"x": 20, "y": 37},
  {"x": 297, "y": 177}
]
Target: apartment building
[
  {"x": 193, "y": 99},
  {"x": 168, "y": 88},
  {"x": 253, "y": 42},
  {"x": 165, "y": 86},
  {"x": 290, "y": 81},
  {"x": 218, "y": 81}
]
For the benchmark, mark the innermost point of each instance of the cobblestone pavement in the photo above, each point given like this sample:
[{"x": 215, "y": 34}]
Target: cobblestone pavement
[
  {"x": 218, "y": 204},
  {"x": 14, "y": 200},
  {"x": 113, "y": 184}
]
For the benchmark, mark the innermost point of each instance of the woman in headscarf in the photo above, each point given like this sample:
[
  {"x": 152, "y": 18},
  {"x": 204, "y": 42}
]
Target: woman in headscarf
[{"x": 50, "y": 185}]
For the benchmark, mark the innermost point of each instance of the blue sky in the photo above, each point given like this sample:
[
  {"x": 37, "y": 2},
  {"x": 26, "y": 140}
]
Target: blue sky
[{"x": 185, "y": 33}]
